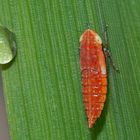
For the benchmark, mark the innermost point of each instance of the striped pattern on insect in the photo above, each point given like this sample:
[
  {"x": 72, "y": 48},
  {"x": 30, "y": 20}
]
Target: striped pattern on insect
[{"x": 94, "y": 75}]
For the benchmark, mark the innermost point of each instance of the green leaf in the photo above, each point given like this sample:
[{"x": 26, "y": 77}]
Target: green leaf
[{"x": 42, "y": 86}]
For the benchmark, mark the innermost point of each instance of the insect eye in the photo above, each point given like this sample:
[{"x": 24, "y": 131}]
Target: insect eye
[{"x": 7, "y": 45}]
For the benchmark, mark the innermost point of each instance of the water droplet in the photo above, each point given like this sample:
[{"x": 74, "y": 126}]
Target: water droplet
[{"x": 7, "y": 45}]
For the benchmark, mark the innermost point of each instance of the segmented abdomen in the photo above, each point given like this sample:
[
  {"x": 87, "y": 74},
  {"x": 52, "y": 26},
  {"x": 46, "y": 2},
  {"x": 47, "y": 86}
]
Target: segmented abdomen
[{"x": 94, "y": 80}]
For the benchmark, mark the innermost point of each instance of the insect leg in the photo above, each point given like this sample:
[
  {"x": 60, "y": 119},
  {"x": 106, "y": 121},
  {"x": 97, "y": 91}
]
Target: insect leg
[{"x": 107, "y": 50}]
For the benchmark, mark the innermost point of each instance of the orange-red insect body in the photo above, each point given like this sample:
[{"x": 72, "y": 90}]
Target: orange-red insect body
[{"x": 94, "y": 76}]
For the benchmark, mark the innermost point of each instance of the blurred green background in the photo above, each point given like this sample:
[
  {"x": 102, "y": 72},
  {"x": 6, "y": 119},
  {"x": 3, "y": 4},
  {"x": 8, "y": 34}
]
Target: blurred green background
[{"x": 42, "y": 87}]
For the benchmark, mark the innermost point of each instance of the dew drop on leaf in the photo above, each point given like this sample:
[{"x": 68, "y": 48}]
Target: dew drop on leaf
[{"x": 7, "y": 45}]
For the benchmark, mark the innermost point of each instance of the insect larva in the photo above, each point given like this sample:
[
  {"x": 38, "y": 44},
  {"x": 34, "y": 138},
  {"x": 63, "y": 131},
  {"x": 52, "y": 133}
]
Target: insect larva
[
  {"x": 94, "y": 76},
  {"x": 7, "y": 45}
]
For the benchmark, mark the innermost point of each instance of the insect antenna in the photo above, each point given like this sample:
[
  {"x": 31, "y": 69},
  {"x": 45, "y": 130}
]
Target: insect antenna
[
  {"x": 106, "y": 48},
  {"x": 88, "y": 25}
]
